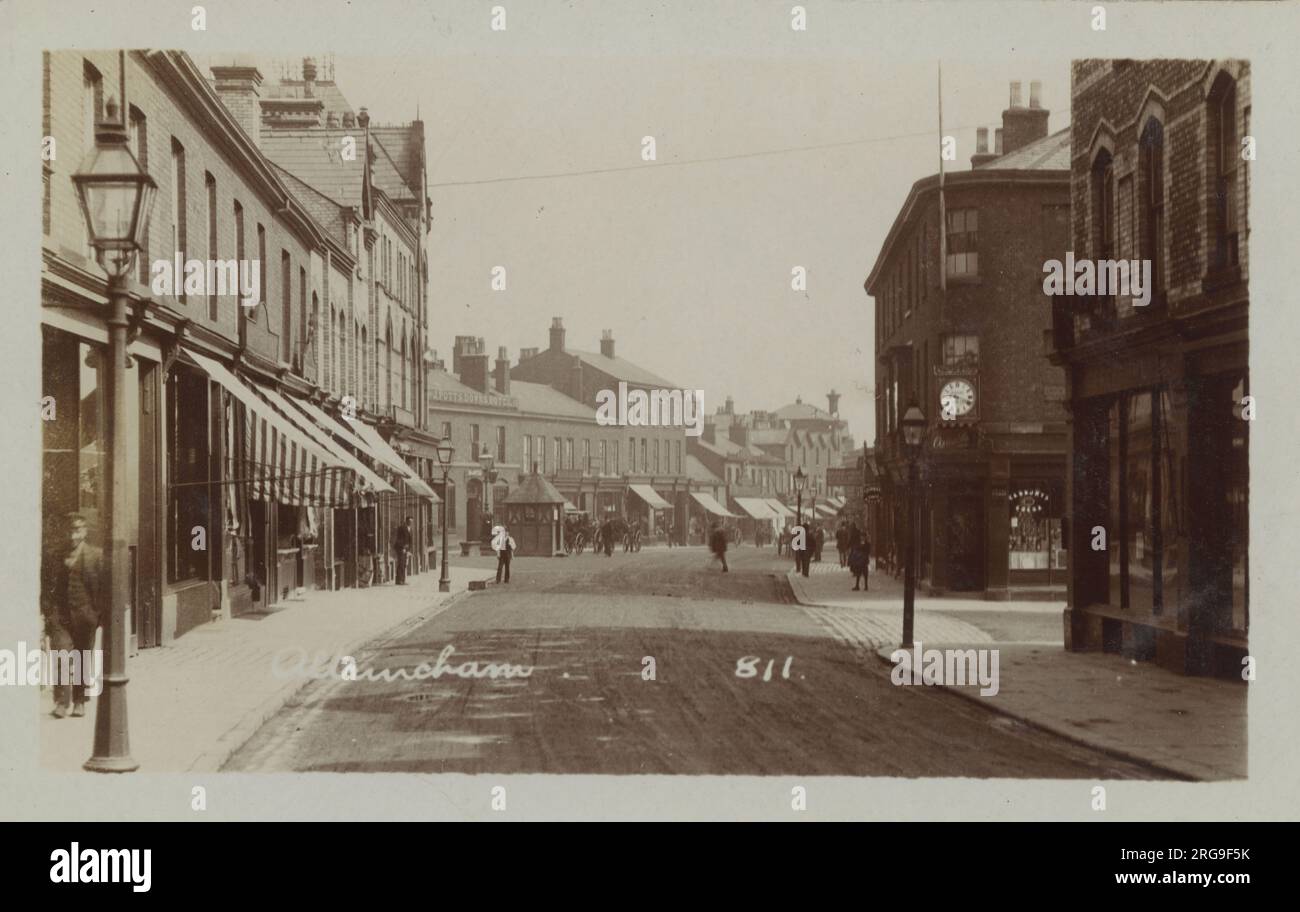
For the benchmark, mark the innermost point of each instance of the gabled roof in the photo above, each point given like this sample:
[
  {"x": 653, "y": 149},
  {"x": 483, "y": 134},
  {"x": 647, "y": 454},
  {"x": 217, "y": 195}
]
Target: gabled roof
[
  {"x": 622, "y": 369},
  {"x": 796, "y": 411},
  {"x": 315, "y": 157},
  {"x": 1051, "y": 153},
  {"x": 324, "y": 210},
  {"x": 698, "y": 471}
]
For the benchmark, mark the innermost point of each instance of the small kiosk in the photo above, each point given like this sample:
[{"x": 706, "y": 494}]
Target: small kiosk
[{"x": 535, "y": 514}]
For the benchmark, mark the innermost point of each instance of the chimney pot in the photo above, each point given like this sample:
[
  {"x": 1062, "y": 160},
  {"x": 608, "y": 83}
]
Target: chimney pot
[
  {"x": 363, "y": 118},
  {"x": 607, "y": 343},
  {"x": 1015, "y": 94},
  {"x": 1035, "y": 94},
  {"x": 557, "y": 334},
  {"x": 982, "y": 140},
  {"x": 308, "y": 76},
  {"x": 997, "y": 141}
]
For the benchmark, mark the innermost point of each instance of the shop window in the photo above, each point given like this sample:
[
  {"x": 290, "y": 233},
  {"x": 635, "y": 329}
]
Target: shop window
[
  {"x": 72, "y": 459},
  {"x": 1145, "y": 515},
  {"x": 187, "y": 474}
]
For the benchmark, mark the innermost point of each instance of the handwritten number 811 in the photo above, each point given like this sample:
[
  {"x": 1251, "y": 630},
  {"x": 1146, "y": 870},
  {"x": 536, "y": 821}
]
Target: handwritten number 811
[{"x": 747, "y": 667}]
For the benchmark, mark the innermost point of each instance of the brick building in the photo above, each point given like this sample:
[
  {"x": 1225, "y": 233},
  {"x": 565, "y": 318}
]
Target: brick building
[
  {"x": 236, "y": 469},
  {"x": 651, "y": 458},
  {"x": 1159, "y": 442},
  {"x": 967, "y": 345}
]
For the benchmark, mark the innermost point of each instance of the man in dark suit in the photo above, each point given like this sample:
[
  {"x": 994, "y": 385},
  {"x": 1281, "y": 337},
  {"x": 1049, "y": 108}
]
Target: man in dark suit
[
  {"x": 402, "y": 540},
  {"x": 79, "y": 606}
]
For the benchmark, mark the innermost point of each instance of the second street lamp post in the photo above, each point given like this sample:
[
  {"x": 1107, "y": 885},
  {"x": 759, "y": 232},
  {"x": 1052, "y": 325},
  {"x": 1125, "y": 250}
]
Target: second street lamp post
[
  {"x": 486, "y": 461},
  {"x": 445, "y": 451},
  {"x": 799, "y": 479},
  {"x": 115, "y": 195},
  {"x": 913, "y": 433}
]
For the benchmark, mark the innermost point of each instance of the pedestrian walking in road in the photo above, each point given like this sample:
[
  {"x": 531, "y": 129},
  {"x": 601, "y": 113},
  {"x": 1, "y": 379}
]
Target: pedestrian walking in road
[
  {"x": 402, "y": 539},
  {"x": 801, "y": 545},
  {"x": 718, "y": 545},
  {"x": 607, "y": 537},
  {"x": 78, "y": 605},
  {"x": 859, "y": 554},
  {"x": 842, "y": 543},
  {"x": 504, "y": 546},
  {"x": 819, "y": 536}
]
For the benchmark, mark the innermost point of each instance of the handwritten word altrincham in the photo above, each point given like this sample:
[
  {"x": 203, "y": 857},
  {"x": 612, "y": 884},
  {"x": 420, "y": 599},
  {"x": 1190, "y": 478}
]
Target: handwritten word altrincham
[{"x": 285, "y": 665}]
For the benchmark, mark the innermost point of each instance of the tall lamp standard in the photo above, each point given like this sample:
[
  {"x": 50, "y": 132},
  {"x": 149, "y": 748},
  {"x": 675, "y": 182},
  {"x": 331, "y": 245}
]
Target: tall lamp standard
[
  {"x": 487, "y": 462},
  {"x": 445, "y": 451},
  {"x": 115, "y": 195},
  {"x": 800, "y": 479},
  {"x": 913, "y": 424}
]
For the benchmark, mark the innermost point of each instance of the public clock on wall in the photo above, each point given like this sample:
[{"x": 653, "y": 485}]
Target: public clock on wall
[{"x": 956, "y": 399}]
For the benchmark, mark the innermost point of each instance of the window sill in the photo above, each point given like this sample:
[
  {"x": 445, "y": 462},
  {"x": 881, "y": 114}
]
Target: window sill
[
  {"x": 1217, "y": 279},
  {"x": 964, "y": 280}
]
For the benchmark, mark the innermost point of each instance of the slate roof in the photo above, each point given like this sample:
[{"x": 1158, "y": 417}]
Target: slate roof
[
  {"x": 622, "y": 369},
  {"x": 542, "y": 399},
  {"x": 769, "y": 436},
  {"x": 535, "y": 489},
  {"x": 698, "y": 471},
  {"x": 325, "y": 211},
  {"x": 315, "y": 157},
  {"x": 1051, "y": 153},
  {"x": 801, "y": 410}
]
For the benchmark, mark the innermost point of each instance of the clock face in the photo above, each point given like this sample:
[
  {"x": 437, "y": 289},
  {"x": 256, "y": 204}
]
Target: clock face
[{"x": 956, "y": 399}]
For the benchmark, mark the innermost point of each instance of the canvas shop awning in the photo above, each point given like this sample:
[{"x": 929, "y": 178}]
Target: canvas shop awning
[
  {"x": 387, "y": 455},
  {"x": 826, "y": 510},
  {"x": 290, "y": 407},
  {"x": 756, "y": 508},
  {"x": 707, "y": 502},
  {"x": 779, "y": 508},
  {"x": 283, "y": 464},
  {"x": 651, "y": 497}
]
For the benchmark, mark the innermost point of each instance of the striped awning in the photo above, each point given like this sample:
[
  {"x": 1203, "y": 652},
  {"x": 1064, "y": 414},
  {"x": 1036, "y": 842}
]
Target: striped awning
[
  {"x": 289, "y": 406},
  {"x": 707, "y": 502},
  {"x": 826, "y": 509},
  {"x": 756, "y": 508},
  {"x": 278, "y": 461},
  {"x": 386, "y": 454}
]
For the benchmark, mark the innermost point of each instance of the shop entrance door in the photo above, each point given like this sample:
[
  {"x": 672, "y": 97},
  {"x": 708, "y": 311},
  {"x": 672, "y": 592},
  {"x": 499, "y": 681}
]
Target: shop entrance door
[{"x": 966, "y": 542}]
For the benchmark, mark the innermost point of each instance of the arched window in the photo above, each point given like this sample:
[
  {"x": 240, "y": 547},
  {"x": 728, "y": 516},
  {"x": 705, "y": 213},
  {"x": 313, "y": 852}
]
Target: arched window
[
  {"x": 1223, "y": 157},
  {"x": 332, "y": 369},
  {"x": 403, "y": 368},
  {"x": 1151, "y": 177},
  {"x": 1103, "y": 212},
  {"x": 365, "y": 364},
  {"x": 388, "y": 367}
]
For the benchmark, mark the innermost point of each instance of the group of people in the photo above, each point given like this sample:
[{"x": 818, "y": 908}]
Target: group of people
[{"x": 804, "y": 542}]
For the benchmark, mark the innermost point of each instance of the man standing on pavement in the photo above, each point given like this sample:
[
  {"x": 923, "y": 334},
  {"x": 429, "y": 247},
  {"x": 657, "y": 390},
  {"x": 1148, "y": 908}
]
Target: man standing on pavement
[
  {"x": 504, "y": 546},
  {"x": 79, "y": 606},
  {"x": 842, "y": 542},
  {"x": 801, "y": 545},
  {"x": 402, "y": 548}
]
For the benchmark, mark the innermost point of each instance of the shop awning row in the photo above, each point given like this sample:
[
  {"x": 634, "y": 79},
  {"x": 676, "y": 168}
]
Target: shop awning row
[
  {"x": 756, "y": 507},
  {"x": 707, "y": 502},
  {"x": 779, "y": 508},
  {"x": 826, "y": 509},
  {"x": 292, "y": 457},
  {"x": 652, "y": 499}
]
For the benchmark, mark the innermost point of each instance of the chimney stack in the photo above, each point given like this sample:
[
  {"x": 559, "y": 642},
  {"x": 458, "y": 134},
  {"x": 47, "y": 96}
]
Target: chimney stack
[
  {"x": 237, "y": 88},
  {"x": 557, "y": 334},
  {"x": 982, "y": 153},
  {"x": 308, "y": 77},
  {"x": 575, "y": 380},
  {"x": 730, "y": 407},
  {"x": 1020, "y": 125},
  {"x": 502, "y": 375},
  {"x": 607, "y": 343},
  {"x": 474, "y": 365}
]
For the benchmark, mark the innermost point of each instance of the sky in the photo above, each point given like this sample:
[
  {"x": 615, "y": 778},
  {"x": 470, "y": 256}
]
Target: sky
[{"x": 762, "y": 165}]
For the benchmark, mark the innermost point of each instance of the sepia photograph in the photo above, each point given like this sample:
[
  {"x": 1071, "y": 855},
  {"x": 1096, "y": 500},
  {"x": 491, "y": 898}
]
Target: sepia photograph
[{"x": 577, "y": 422}]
